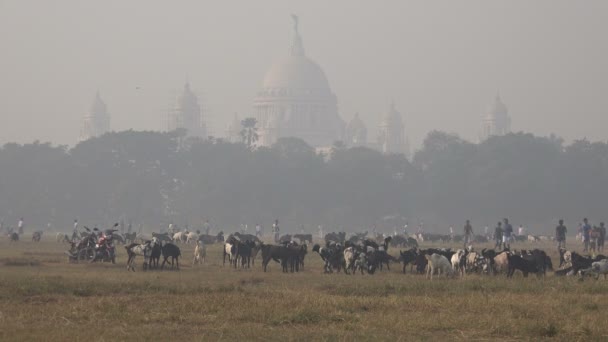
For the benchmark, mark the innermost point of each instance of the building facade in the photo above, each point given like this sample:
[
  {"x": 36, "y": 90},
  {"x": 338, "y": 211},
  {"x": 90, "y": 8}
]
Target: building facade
[
  {"x": 187, "y": 114},
  {"x": 391, "y": 133},
  {"x": 296, "y": 101},
  {"x": 496, "y": 121},
  {"x": 97, "y": 121}
]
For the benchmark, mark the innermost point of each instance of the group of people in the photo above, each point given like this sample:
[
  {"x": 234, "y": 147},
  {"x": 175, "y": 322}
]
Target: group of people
[
  {"x": 9, "y": 230},
  {"x": 593, "y": 237}
]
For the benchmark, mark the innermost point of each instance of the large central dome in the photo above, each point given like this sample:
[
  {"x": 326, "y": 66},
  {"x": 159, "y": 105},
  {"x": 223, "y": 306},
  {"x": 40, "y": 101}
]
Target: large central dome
[
  {"x": 296, "y": 101},
  {"x": 296, "y": 72}
]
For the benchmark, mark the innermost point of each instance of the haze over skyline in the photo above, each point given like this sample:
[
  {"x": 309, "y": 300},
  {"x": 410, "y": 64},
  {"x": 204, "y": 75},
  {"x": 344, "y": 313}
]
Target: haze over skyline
[{"x": 442, "y": 63}]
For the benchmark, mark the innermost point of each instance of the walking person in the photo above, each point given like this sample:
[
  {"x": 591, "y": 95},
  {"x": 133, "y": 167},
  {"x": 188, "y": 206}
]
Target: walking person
[
  {"x": 468, "y": 233},
  {"x": 258, "y": 231},
  {"x": 20, "y": 226},
  {"x": 586, "y": 234},
  {"x": 506, "y": 235},
  {"x": 276, "y": 230},
  {"x": 601, "y": 238},
  {"x": 560, "y": 235},
  {"x": 498, "y": 236}
]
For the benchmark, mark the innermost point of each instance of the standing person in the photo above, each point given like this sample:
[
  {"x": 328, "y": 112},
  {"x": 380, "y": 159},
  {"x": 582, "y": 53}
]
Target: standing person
[
  {"x": 206, "y": 227},
  {"x": 560, "y": 235},
  {"x": 20, "y": 226},
  {"x": 498, "y": 235},
  {"x": 520, "y": 230},
  {"x": 586, "y": 234},
  {"x": 507, "y": 233},
  {"x": 468, "y": 233},
  {"x": 485, "y": 231},
  {"x": 258, "y": 231},
  {"x": 451, "y": 233},
  {"x": 601, "y": 238},
  {"x": 321, "y": 236},
  {"x": 130, "y": 227},
  {"x": 276, "y": 230}
]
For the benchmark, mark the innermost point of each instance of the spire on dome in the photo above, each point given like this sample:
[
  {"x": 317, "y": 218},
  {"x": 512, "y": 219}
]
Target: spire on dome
[{"x": 296, "y": 48}]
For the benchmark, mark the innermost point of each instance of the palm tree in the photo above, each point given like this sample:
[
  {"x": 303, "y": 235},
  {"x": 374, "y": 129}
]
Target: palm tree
[{"x": 249, "y": 133}]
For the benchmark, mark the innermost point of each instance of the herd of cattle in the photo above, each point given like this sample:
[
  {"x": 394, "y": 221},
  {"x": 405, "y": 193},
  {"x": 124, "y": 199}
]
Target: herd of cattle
[{"x": 357, "y": 254}]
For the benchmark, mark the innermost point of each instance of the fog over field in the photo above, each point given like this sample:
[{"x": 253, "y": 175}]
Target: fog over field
[{"x": 441, "y": 62}]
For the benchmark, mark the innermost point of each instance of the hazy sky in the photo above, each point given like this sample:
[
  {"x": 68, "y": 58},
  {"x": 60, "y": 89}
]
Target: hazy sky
[{"x": 442, "y": 61}]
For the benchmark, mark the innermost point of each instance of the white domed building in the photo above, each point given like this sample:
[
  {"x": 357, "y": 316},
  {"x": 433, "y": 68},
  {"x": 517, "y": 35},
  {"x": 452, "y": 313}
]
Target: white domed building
[
  {"x": 497, "y": 120},
  {"x": 97, "y": 121},
  {"x": 296, "y": 101}
]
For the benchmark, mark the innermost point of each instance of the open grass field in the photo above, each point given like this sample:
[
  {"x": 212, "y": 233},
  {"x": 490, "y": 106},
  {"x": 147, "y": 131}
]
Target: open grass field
[{"x": 43, "y": 298}]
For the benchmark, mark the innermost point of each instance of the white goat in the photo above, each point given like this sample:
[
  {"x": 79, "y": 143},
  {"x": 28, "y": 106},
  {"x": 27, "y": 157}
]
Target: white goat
[{"x": 438, "y": 263}]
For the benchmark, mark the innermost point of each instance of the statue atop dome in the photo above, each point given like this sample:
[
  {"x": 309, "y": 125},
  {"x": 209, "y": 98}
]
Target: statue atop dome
[
  {"x": 97, "y": 121},
  {"x": 295, "y": 23}
]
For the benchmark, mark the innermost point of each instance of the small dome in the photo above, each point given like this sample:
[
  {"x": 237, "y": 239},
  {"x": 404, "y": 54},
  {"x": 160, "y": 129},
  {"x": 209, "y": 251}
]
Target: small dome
[
  {"x": 356, "y": 124},
  {"x": 392, "y": 116}
]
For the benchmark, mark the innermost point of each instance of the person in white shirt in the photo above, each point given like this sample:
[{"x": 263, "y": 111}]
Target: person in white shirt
[{"x": 20, "y": 226}]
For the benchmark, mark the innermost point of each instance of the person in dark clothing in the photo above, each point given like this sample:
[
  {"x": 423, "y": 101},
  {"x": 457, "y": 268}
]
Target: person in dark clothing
[
  {"x": 601, "y": 238},
  {"x": 498, "y": 236},
  {"x": 560, "y": 235},
  {"x": 586, "y": 234},
  {"x": 507, "y": 233},
  {"x": 468, "y": 233}
]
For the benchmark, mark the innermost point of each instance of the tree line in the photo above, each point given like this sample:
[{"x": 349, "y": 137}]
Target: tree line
[{"x": 155, "y": 178}]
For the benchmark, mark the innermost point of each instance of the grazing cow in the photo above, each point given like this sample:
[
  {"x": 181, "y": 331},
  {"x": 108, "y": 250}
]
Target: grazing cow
[
  {"x": 332, "y": 256},
  {"x": 36, "y": 236},
  {"x": 245, "y": 237},
  {"x": 244, "y": 251},
  {"x": 130, "y": 237},
  {"x": 408, "y": 257},
  {"x": 164, "y": 237},
  {"x": 14, "y": 237},
  {"x": 438, "y": 263},
  {"x": 526, "y": 266},
  {"x": 135, "y": 249},
  {"x": 336, "y": 237},
  {"x": 285, "y": 239},
  {"x": 180, "y": 237},
  {"x": 533, "y": 238},
  {"x": 200, "y": 252},
  {"x": 285, "y": 255},
  {"x": 304, "y": 238},
  {"x": 191, "y": 237},
  {"x": 170, "y": 250},
  {"x": 155, "y": 252},
  {"x": 597, "y": 268}
]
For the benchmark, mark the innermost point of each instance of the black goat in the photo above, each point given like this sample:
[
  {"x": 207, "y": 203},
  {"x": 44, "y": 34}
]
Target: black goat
[{"x": 170, "y": 250}]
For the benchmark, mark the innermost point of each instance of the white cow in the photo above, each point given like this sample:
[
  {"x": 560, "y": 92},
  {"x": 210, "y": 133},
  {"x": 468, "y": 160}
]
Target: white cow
[
  {"x": 179, "y": 237},
  {"x": 191, "y": 237},
  {"x": 438, "y": 263}
]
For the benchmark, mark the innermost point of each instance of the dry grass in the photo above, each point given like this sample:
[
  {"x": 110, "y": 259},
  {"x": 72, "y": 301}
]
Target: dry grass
[{"x": 42, "y": 297}]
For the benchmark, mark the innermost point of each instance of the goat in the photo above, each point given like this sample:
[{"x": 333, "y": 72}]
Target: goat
[
  {"x": 170, "y": 250},
  {"x": 438, "y": 263},
  {"x": 200, "y": 252}
]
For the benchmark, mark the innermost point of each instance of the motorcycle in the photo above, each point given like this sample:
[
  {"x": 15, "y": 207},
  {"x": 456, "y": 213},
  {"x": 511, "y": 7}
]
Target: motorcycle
[{"x": 104, "y": 249}]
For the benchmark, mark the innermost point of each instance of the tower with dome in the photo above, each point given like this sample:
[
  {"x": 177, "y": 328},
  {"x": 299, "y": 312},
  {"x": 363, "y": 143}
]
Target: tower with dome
[
  {"x": 97, "y": 121},
  {"x": 187, "y": 114},
  {"x": 496, "y": 121},
  {"x": 296, "y": 100},
  {"x": 391, "y": 133}
]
